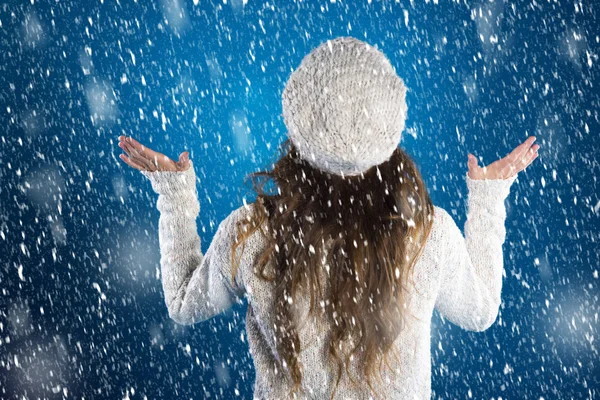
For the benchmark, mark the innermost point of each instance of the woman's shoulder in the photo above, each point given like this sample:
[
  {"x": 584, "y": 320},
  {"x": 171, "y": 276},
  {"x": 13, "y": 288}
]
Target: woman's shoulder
[
  {"x": 441, "y": 216},
  {"x": 244, "y": 216},
  {"x": 443, "y": 225},
  {"x": 243, "y": 212}
]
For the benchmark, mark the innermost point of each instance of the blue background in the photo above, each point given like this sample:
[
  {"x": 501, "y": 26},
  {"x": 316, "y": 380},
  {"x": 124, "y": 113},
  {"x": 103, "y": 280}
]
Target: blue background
[{"x": 82, "y": 312}]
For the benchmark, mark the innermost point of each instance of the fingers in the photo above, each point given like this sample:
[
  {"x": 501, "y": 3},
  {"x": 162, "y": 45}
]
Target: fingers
[
  {"x": 143, "y": 150},
  {"x": 532, "y": 155},
  {"x": 136, "y": 156},
  {"x": 131, "y": 163},
  {"x": 521, "y": 149},
  {"x": 516, "y": 154},
  {"x": 184, "y": 161},
  {"x": 533, "y": 158},
  {"x": 509, "y": 164},
  {"x": 472, "y": 160},
  {"x": 521, "y": 161},
  {"x": 529, "y": 156},
  {"x": 140, "y": 149},
  {"x": 155, "y": 160},
  {"x": 521, "y": 157},
  {"x": 475, "y": 171},
  {"x": 144, "y": 158}
]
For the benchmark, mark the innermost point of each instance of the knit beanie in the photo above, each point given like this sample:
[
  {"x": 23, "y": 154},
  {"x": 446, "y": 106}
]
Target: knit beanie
[{"x": 345, "y": 107}]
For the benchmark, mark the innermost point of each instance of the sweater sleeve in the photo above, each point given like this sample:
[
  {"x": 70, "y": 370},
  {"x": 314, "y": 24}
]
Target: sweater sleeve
[
  {"x": 196, "y": 286},
  {"x": 471, "y": 279}
]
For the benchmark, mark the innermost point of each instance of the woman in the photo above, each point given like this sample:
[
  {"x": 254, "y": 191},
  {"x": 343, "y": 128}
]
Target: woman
[{"x": 344, "y": 263}]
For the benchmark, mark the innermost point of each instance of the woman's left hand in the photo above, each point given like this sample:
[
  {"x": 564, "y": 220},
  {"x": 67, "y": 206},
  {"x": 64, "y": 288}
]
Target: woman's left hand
[
  {"x": 143, "y": 158},
  {"x": 507, "y": 167}
]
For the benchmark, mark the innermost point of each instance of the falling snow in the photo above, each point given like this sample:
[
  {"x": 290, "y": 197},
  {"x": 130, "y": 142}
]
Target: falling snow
[{"x": 82, "y": 312}]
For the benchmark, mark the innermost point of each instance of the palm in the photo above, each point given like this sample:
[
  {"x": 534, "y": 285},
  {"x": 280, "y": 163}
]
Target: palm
[
  {"x": 145, "y": 159},
  {"x": 506, "y": 167}
]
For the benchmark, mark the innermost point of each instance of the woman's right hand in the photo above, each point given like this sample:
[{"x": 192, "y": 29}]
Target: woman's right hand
[
  {"x": 506, "y": 167},
  {"x": 143, "y": 158}
]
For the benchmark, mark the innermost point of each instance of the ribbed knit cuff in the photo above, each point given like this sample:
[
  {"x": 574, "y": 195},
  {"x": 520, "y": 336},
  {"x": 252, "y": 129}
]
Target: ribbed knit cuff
[
  {"x": 490, "y": 188},
  {"x": 489, "y": 194},
  {"x": 172, "y": 182}
]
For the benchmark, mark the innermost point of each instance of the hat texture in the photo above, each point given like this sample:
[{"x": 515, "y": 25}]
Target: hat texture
[{"x": 345, "y": 107}]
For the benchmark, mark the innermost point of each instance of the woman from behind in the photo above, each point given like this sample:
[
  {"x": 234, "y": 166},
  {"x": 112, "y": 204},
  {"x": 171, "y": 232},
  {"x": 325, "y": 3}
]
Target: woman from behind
[{"x": 345, "y": 260}]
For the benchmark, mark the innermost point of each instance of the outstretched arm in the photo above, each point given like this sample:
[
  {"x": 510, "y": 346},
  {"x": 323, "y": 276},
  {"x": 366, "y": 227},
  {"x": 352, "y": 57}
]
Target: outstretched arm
[
  {"x": 196, "y": 286},
  {"x": 471, "y": 278},
  {"x": 472, "y": 267}
]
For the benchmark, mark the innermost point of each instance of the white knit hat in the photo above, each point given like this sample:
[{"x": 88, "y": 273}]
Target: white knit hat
[{"x": 345, "y": 107}]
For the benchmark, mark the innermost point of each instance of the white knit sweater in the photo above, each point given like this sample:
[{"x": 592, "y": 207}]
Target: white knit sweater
[{"x": 459, "y": 276}]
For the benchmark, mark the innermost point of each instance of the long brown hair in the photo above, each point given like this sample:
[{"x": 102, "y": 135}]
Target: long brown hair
[{"x": 377, "y": 222}]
